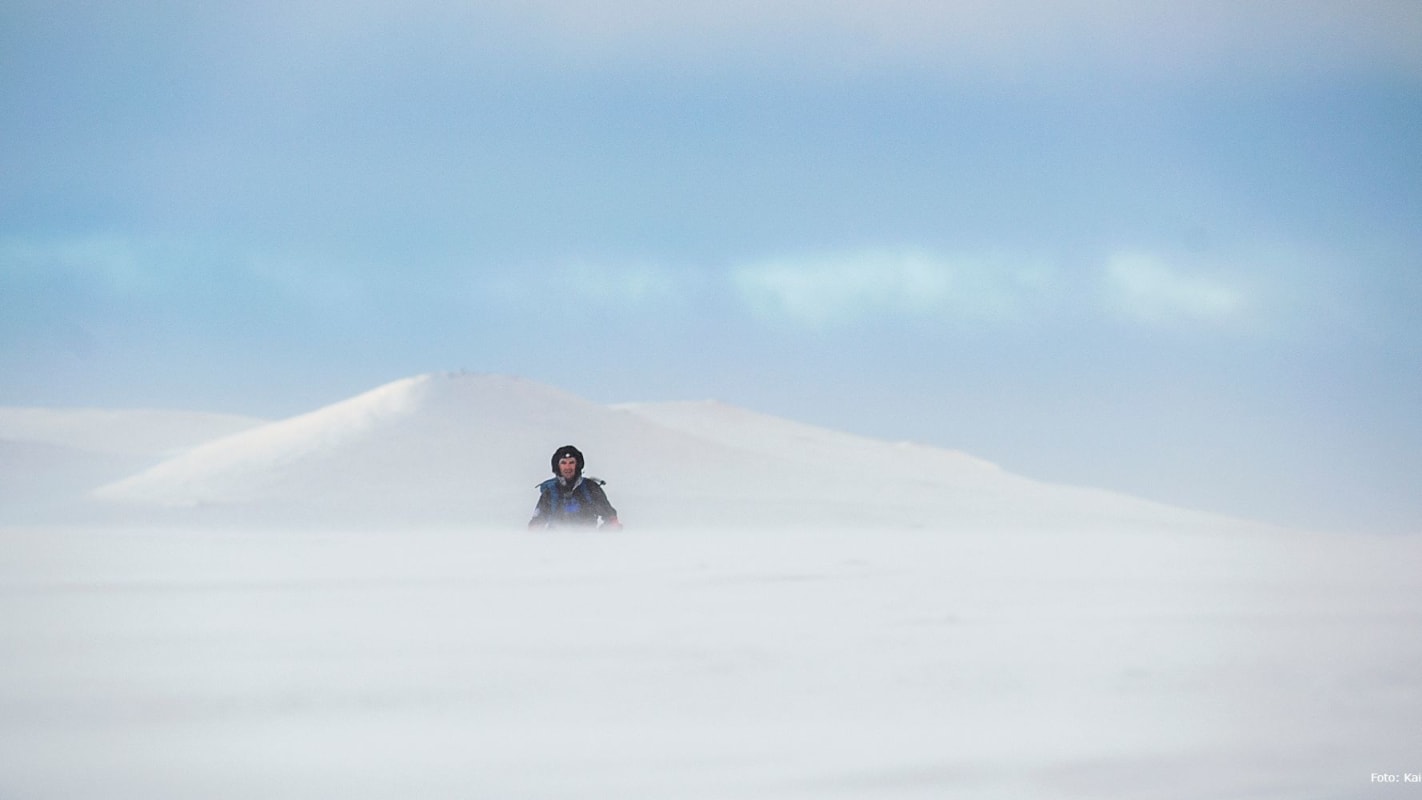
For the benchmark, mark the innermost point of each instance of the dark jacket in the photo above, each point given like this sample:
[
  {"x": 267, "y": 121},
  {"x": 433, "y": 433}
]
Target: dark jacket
[{"x": 580, "y": 502}]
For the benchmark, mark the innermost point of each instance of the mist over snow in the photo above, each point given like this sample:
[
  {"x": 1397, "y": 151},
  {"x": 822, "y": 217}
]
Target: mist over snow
[
  {"x": 344, "y": 603},
  {"x": 52, "y": 458},
  {"x": 466, "y": 450}
]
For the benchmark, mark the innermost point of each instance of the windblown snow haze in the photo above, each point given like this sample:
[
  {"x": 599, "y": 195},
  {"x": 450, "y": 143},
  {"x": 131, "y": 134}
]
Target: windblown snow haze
[{"x": 344, "y": 602}]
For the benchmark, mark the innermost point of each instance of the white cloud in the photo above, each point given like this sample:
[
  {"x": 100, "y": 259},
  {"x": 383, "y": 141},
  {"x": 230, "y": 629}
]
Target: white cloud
[
  {"x": 1145, "y": 288},
  {"x": 620, "y": 284},
  {"x": 598, "y": 283},
  {"x": 838, "y": 288},
  {"x": 1141, "y": 287},
  {"x": 321, "y": 284}
]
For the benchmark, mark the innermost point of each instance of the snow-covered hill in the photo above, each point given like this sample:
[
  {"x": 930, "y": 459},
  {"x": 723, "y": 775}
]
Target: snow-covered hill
[
  {"x": 51, "y": 459},
  {"x": 466, "y": 450},
  {"x": 1059, "y": 642}
]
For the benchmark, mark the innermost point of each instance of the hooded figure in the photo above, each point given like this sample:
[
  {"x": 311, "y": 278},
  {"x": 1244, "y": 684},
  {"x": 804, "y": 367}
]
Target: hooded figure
[
  {"x": 569, "y": 499},
  {"x": 566, "y": 451}
]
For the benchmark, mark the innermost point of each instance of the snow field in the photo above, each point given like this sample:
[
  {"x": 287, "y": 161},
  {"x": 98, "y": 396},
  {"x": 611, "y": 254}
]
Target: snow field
[{"x": 168, "y": 663}]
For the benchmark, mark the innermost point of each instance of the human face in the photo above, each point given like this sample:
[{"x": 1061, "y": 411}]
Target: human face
[{"x": 567, "y": 467}]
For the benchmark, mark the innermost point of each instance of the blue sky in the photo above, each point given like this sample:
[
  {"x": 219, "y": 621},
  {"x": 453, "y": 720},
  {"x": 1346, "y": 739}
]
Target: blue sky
[{"x": 1175, "y": 251}]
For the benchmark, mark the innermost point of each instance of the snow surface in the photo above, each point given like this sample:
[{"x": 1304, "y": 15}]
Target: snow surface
[
  {"x": 161, "y": 663},
  {"x": 50, "y": 459},
  {"x": 344, "y": 604},
  {"x": 465, "y": 451}
]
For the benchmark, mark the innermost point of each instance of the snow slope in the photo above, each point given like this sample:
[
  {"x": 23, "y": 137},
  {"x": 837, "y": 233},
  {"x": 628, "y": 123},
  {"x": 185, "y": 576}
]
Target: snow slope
[
  {"x": 466, "y": 450},
  {"x": 51, "y": 459}
]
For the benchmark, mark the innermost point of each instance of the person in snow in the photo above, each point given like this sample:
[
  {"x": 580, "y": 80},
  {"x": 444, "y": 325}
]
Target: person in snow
[{"x": 570, "y": 499}]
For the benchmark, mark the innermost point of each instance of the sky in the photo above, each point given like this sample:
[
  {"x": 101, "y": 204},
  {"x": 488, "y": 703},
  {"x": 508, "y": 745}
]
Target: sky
[{"x": 1173, "y": 250}]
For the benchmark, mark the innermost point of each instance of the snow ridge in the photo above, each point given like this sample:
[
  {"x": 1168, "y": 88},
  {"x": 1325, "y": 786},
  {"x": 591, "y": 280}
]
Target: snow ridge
[{"x": 465, "y": 449}]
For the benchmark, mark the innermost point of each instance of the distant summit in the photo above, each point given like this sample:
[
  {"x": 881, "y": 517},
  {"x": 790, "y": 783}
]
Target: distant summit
[
  {"x": 466, "y": 450},
  {"x": 447, "y": 445}
]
